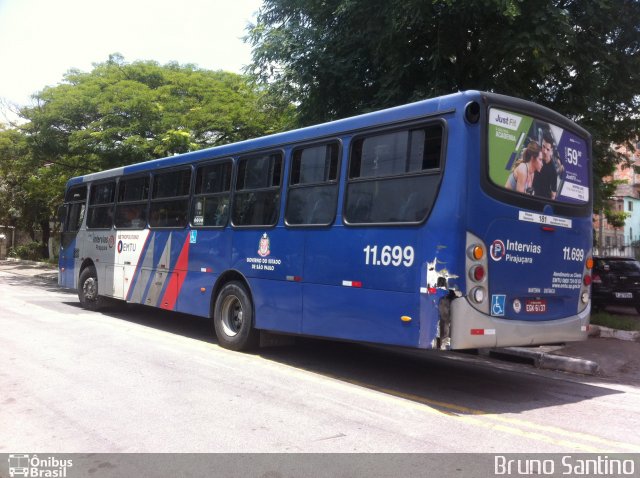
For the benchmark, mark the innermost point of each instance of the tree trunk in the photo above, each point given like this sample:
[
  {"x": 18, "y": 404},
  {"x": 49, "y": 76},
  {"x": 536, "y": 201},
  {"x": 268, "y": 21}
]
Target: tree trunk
[{"x": 46, "y": 234}]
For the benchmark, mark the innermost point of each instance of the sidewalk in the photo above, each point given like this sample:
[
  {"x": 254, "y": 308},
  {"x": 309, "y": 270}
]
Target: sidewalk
[
  {"x": 41, "y": 270},
  {"x": 614, "y": 355}
]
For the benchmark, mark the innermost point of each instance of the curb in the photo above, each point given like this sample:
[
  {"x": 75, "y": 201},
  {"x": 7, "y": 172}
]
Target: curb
[
  {"x": 607, "y": 333},
  {"x": 568, "y": 364},
  {"x": 546, "y": 360}
]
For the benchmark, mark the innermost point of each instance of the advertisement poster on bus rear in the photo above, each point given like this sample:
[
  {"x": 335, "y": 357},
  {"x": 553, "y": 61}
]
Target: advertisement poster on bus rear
[{"x": 531, "y": 156}]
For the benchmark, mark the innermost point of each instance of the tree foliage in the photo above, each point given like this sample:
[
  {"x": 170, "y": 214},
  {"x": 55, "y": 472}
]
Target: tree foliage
[
  {"x": 122, "y": 113},
  {"x": 616, "y": 219},
  {"x": 342, "y": 57},
  {"x": 118, "y": 114}
]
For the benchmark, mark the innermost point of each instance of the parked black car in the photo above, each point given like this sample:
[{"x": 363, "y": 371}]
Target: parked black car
[{"x": 615, "y": 281}]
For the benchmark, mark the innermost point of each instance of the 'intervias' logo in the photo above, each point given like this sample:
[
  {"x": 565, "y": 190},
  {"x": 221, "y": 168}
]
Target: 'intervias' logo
[{"x": 497, "y": 250}]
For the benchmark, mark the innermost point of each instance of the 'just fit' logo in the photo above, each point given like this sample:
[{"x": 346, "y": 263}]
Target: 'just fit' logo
[{"x": 505, "y": 119}]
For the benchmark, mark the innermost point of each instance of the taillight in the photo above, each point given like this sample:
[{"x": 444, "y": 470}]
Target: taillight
[
  {"x": 478, "y": 294},
  {"x": 477, "y": 273},
  {"x": 476, "y": 252},
  {"x": 588, "y": 278}
]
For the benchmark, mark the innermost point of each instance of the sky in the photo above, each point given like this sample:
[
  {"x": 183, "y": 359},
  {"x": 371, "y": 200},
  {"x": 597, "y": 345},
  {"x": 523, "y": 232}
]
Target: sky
[{"x": 42, "y": 39}]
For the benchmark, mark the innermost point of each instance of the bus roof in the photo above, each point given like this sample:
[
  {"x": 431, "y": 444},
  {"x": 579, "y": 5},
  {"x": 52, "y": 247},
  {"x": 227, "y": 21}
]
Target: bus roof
[{"x": 438, "y": 105}]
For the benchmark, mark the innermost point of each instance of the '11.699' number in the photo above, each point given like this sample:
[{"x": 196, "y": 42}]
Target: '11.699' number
[
  {"x": 572, "y": 254},
  {"x": 389, "y": 256}
]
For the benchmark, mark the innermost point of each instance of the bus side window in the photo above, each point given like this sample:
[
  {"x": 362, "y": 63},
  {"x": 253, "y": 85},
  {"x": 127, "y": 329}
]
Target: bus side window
[
  {"x": 393, "y": 177},
  {"x": 74, "y": 209},
  {"x": 211, "y": 198},
  {"x": 313, "y": 186},
  {"x": 257, "y": 193},
  {"x": 170, "y": 199},
  {"x": 101, "y": 201},
  {"x": 75, "y": 217},
  {"x": 131, "y": 210}
]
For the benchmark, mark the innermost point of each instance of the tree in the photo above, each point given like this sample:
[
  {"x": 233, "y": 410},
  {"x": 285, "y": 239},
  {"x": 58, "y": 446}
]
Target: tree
[
  {"x": 118, "y": 114},
  {"x": 342, "y": 57},
  {"x": 28, "y": 197},
  {"x": 122, "y": 113}
]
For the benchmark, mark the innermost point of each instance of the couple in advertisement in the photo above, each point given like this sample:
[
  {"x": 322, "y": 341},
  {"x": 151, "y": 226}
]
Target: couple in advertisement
[{"x": 537, "y": 171}]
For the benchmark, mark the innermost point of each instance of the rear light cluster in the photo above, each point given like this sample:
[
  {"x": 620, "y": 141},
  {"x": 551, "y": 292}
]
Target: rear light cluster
[
  {"x": 587, "y": 280},
  {"x": 477, "y": 272}
]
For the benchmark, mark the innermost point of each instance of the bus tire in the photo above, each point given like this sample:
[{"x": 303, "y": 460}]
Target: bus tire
[
  {"x": 88, "y": 290},
  {"x": 233, "y": 318}
]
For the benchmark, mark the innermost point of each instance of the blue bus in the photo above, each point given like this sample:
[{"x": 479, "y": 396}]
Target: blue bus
[{"x": 458, "y": 222}]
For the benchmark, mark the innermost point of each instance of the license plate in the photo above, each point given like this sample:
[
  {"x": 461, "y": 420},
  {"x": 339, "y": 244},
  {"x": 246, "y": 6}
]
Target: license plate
[
  {"x": 537, "y": 306},
  {"x": 623, "y": 295}
]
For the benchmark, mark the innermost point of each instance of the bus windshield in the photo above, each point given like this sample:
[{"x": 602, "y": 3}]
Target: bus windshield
[{"x": 534, "y": 157}]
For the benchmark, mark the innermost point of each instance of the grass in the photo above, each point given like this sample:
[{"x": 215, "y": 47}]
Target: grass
[{"x": 615, "y": 321}]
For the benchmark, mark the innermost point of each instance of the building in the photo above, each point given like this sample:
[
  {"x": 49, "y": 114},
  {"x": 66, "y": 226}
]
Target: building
[{"x": 623, "y": 241}]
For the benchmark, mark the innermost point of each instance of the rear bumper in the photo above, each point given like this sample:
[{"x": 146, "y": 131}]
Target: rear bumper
[{"x": 506, "y": 333}]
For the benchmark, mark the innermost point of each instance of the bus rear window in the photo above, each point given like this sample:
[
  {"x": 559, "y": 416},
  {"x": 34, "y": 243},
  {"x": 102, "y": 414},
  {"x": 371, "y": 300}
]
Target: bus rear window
[{"x": 533, "y": 157}]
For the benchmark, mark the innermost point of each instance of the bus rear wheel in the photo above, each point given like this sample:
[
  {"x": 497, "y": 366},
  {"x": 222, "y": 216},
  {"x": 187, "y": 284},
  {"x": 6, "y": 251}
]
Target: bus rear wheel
[
  {"x": 233, "y": 318},
  {"x": 88, "y": 290}
]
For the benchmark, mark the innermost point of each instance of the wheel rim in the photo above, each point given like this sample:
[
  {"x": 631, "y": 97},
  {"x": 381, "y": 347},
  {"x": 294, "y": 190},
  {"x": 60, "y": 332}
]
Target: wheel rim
[
  {"x": 232, "y": 316},
  {"x": 90, "y": 289}
]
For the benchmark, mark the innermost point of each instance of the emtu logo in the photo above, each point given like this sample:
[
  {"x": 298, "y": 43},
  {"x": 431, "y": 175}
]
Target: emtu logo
[{"x": 497, "y": 250}]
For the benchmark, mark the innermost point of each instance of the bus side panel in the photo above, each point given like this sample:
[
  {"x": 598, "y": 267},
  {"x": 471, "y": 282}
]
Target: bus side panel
[
  {"x": 382, "y": 258},
  {"x": 209, "y": 253},
  {"x": 360, "y": 281},
  {"x": 195, "y": 294},
  {"x": 155, "y": 278},
  {"x": 271, "y": 260},
  {"x": 98, "y": 246},
  {"x": 277, "y": 305},
  {"x": 130, "y": 246},
  {"x": 361, "y": 314}
]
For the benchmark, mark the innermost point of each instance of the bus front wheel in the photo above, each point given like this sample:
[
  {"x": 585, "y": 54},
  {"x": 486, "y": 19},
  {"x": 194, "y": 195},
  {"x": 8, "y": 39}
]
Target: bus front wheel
[
  {"x": 88, "y": 290},
  {"x": 233, "y": 318}
]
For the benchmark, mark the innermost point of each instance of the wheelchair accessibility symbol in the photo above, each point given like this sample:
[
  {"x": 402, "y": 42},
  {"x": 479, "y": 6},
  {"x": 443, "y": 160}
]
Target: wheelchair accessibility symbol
[{"x": 497, "y": 304}]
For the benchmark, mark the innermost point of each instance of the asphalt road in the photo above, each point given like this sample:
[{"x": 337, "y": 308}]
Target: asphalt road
[{"x": 135, "y": 379}]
